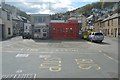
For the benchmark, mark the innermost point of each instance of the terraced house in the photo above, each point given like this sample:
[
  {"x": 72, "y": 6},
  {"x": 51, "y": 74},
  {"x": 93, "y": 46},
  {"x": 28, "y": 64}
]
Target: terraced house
[
  {"x": 6, "y": 28},
  {"x": 110, "y": 26}
]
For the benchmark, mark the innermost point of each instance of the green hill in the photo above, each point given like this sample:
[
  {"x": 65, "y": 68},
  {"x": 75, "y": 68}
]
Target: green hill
[{"x": 87, "y": 9}]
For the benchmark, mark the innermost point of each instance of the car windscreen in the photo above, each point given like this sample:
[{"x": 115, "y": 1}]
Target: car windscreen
[{"x": 98, "y": 34}]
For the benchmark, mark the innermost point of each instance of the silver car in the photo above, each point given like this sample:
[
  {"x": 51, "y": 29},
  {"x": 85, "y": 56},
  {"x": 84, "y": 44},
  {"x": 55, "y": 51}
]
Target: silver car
[{"x": 96, "y": 36}]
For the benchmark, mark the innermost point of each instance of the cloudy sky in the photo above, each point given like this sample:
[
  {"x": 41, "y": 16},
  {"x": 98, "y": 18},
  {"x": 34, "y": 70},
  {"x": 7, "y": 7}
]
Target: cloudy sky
[{"x": 48, "y": 6}]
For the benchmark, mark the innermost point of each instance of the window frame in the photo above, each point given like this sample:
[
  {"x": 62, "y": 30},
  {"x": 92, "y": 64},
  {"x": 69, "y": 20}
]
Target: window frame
[{"x": 9, "y": 31}]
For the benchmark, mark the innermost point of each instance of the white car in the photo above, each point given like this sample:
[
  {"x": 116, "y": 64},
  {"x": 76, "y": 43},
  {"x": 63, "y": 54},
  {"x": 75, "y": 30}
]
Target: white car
[{"x": 96, "y": 36}]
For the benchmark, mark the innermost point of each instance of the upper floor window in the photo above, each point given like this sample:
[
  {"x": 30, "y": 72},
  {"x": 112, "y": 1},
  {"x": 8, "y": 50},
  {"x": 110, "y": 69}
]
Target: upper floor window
[
  {"x": 108, "y": 22},
  {"x": 44, "y": 30},
  {"x": 8, "y": 16},
  {"x": 39, "y": 30},
  {"x": 26, "y": 27},
  {"x": 112, "y": 22},
  {"x": 119, "y": 20}
]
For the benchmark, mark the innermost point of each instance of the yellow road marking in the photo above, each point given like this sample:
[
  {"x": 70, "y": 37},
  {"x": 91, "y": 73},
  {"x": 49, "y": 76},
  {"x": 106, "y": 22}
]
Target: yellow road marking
[{"x": 55, "y": 69}]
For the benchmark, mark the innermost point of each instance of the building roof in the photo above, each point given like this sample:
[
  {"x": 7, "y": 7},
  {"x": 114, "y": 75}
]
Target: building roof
[
  {"x": 39, "y": 14},
  {"x": 109, "y": 17},
  {"x": 72, "y": 18},
  {"x": 57, "y": 21},
  {"x": 14, "y": 17},
  {"x": 79, "y": 21},
  {"x": 40, "y": 24},
  {"x": 116, "y": 15},
  {"x": 91, "y": 16},
  {"x": 100, "y": 19},
  {"x": 20, "y": 18}
]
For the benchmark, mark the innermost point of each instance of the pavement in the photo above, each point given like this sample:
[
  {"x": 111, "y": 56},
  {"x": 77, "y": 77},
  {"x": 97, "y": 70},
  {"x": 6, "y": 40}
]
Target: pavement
[{"x": 27, "y": 58}]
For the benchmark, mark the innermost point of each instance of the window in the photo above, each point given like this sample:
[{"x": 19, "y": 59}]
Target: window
[
  {"x": 44, "y": 34},
  {"x": 44, "y": 30},
  {"x": 112, "y": 22},
  {"x": 26, "y": 27},
  {"x": 119, "y": 20},
  {"x": 111, "y": 31},
  {"x": 8, "y": 16},
  {"x": 108, "y": 31},
  {"x": 53, "y": 28},
  {"x": 70, "y": 28},
  {"x": 39, "y": 30},
  {"x": 98, "y": 34},
  {"x": 98, "y": 24},
  {"x": 40, "y": 19},
  {"x": 108, "y": 22},
  {"x": 35, "y": 30},
  {"x": 66, "y": 29},
  {"x": 58, "y": 29},
  {"x": 9, "y": 32},
  {"x": 74, "y": 29},
  {"x": 118, "y": 31}
]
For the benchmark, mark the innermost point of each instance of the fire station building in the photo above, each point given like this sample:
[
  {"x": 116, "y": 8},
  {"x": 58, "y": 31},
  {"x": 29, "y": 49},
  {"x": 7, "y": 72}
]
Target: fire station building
[{"x": 61, "y": 29}]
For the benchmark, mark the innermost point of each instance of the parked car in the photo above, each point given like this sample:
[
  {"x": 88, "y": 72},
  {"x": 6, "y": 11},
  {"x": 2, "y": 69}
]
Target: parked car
[
  {"x": 96, "y": 36},
  {"x": 26, "y": 35}
]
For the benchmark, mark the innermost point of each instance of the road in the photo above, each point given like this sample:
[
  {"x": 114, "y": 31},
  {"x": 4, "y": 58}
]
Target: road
[{"x": 27, "y": 58}]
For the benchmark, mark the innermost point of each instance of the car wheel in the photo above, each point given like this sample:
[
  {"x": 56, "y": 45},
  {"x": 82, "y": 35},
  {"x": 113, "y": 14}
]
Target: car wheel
[
  {"x": 91, "y": 40},
  {"x": 100, "y": 41},
  {"x": 23, "y": 37}
]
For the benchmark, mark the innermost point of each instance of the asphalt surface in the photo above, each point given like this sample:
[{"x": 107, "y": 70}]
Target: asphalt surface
[{"x": 27, "y": 58}]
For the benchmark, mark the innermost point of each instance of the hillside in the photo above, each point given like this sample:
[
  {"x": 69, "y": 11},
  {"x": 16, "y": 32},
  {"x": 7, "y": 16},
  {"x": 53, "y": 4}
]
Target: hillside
[
  {"x": 87, "y": 9},
  {"x": 19, "y": 12}
]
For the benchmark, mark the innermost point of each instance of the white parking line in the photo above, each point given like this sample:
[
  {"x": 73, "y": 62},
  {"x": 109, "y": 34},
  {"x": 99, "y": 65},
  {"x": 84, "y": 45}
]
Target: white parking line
[
  {"x": 110, "y": 58},
  {"x": 19, "y": 71},
  {"x": 22, "y": 55},
  {"x": 35, "y": 75}
]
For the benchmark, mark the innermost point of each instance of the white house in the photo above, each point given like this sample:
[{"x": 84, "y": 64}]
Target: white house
[
  {"x": 40, "y": 24},
  {"x": 6, "y": 24},
  {"x": 27, "y": 27}
]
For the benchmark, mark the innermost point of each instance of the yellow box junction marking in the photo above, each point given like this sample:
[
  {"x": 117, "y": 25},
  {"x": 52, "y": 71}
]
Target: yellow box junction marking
[{"x": 87, "y": 64}]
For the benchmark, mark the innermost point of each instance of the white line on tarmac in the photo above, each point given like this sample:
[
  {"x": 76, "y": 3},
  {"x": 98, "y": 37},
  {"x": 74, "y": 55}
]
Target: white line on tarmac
[
  {"x": 35, "y": 75},
  {"x": 110, "y": 58},
  {"x": 22, "y": 55},
  {"x": 48, "y": 52}
]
